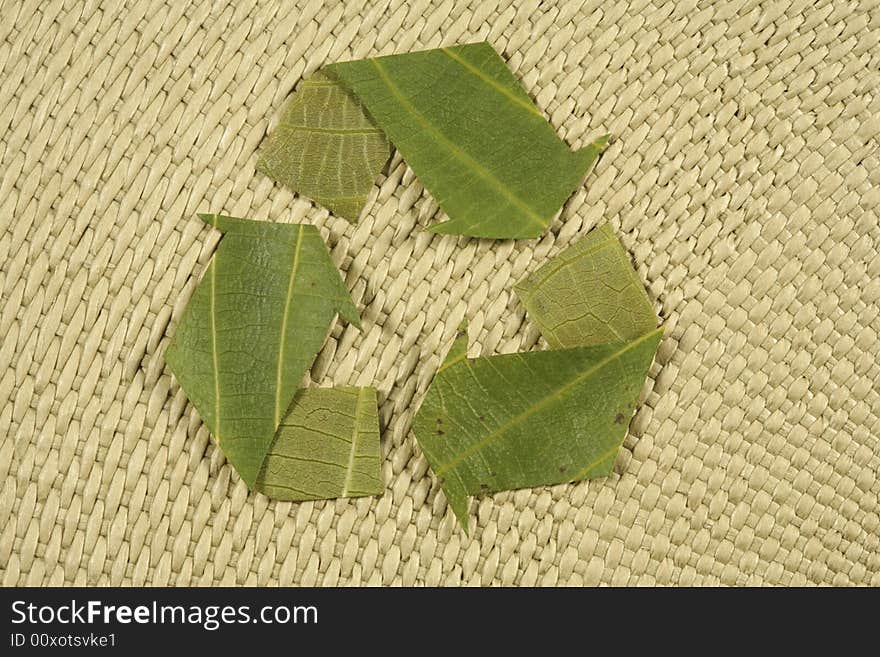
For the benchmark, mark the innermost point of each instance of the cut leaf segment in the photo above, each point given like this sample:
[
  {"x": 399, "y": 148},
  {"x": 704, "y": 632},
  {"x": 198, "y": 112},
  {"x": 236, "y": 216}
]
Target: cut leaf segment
[
  {"x": 473, "y": 137},
  {"x": 530, "y": 419},
  {"x": 326, "y": 447},
  {"x": 325, "y": 147},
  {"x": 588, "y": 294}
]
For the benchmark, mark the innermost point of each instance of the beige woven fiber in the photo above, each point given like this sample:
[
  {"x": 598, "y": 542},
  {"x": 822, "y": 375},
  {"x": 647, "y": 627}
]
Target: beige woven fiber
[{"x": 744, "y": 178}]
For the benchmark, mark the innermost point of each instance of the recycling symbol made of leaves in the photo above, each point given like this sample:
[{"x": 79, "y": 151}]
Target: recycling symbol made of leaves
[{"x": 267, "y": 300}]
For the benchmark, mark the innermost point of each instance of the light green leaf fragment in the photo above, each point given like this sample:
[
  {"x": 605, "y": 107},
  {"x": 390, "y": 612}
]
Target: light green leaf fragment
[
  {"x": 252, "y": 330},
  {"x": 473, "y": 136},
  {"x": 541, "y": 418},
  {"x": 326, "y": 148},
  {"x": 326, "y": 447},
  {"x": 588, "y": 294}
]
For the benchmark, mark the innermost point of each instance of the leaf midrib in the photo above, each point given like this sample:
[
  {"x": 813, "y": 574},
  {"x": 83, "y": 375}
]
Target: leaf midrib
[
  {"x": 355, "y": 435},
  {"x": 279, "y": 378},
  {"x": 528, "y": 105},
  {"x": 333, "y": 131}
]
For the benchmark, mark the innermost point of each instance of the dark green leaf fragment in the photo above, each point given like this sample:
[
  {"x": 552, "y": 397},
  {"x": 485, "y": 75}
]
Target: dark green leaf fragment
[
  {"x": 530, "y": 419},
  {"x": 473, "y": 136}
]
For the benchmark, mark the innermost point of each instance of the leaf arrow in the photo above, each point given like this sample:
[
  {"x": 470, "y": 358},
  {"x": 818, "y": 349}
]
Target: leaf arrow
[
  {"x": 252, "y": 330},
  {"x": 473, "y": 136},
  {"x": 549, "y": 417},
  {"x": 460, "y": 119}
]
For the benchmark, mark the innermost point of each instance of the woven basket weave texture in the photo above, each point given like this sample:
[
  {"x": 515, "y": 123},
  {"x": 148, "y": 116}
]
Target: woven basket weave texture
[{"x": 744, "y": 179}]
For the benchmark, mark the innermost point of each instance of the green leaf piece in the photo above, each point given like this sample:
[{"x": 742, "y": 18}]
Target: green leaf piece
[
  {"x": 530, "y": 419},
  {"x": 326, "y": 447},
  {"x": 549, "y": 417},
  {"x": 326, "y": 147},
  {"x": 589, "y": 294},
  {"x": 473, "y": 136},
  {"x": 252, "y": 330}
]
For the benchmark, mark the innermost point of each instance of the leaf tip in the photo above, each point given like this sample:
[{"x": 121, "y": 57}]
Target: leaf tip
[
  {"x": 349, "y": 313},
  {"x": 212, "y": 219},
  {"x": 595, "y": 148},
  {"x": 442, "y": 228},
  {"x": 459, "y": 506},
  {"x": 458, "y": 350},
  {"x": 355, "y": 321}
]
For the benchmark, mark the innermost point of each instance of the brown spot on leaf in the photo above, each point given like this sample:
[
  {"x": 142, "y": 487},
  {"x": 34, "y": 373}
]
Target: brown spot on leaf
[
  {"x": 619, "y": 419},
  {"x": 439, "y": 432},
  {"x": 484, "y": 486},
  {"x": 563, "y": 468}
]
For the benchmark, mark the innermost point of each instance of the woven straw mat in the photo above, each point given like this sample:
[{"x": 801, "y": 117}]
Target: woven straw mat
[{"x": 744, "y": 179}]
